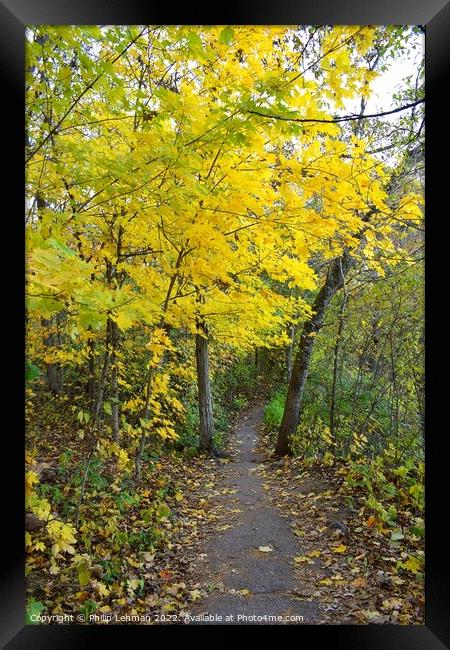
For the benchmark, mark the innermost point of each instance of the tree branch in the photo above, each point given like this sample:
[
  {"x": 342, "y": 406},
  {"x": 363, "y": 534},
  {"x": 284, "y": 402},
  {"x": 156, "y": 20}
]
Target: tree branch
[
  {"x": 53, "y": 131},
  {"x": 335, "y": 120}
]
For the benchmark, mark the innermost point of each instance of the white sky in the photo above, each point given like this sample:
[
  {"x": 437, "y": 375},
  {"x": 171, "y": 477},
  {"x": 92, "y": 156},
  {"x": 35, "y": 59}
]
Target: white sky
[{"x": 389, "y": 82}]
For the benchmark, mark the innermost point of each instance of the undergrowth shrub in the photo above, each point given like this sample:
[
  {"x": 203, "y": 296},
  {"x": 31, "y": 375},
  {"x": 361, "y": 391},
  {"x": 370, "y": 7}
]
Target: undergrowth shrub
[{"x": 273, "y": 413}]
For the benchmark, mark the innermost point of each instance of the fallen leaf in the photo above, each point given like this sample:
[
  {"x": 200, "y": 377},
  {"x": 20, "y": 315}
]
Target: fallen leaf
[
  {"x": 373, "y": 616},
  {"x": 244, "y": 592},
  {"x": 392, "y": 603},
  {"x": 397, "y": 535},
  {"x": 359, "y": 582},
  {"x": 265, "y": 549},
  {"x": 413, "y": 564},
  {"x": 340, "y": 549},
  {"x": 166, "y": 575}
]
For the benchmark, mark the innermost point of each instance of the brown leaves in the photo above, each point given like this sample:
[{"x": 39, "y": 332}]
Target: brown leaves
[
  {"x": 361, "y": 579},
  {"x": 370, "y": 521},
  {"x": 166, "y": 576},
  {"x": 359, "y": 582}
]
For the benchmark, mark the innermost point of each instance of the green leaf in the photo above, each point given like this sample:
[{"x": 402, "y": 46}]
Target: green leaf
[
  {"x": 397, "y": 535},
  {"x": 33, "y": 610},
  {"x": 107, "y": 408},
  {"x": 390, "y": 488},
  {"x": 84, "y": 576},
  {"x": 194, "y": 40},
  {"x": 62, "y": 248},
  {"x": 196, "y": 45},
  {"x": 226, "y": 35},
  {"x": 31, "y": 371}
]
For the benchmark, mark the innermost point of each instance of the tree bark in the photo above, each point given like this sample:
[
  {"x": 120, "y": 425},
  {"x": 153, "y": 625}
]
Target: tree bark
[
  {"x": 290, "y": 352},
  {"x": 102, "y": 382},
  {"x": 90, "y": 386},
  {"x": 333, "y": 425},
  {"x": 53, "y": 376},
  {"x": 300, "y": 368},
  {"x": 204, "y": 391},
  {"x": 114, "y": 384}
]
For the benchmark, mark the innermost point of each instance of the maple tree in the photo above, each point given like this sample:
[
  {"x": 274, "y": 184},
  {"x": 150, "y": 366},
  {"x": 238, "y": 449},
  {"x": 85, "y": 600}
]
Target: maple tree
[{"x": 188, "y": 190}]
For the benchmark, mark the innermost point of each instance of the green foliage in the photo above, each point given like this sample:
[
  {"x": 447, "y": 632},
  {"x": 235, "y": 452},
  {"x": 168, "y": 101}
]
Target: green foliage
[
  {"x": 188, "y": 431},
  {"x": 33, "y": 610},
  {"x": 226, "y": 36},
  {"x": 388, "y": 490},
  {"x": 273, "y": 413},
  {"x": 88, "y": 608},
  {"x": 239, "y": 402},
  {"x": 238, "y": 380},
  {"x": 53, "y": 492},
  {"x": 32, "y": 372}
]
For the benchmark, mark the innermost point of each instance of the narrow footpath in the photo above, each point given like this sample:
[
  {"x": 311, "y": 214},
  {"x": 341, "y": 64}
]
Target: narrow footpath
[{"x": 251, "y": 558}]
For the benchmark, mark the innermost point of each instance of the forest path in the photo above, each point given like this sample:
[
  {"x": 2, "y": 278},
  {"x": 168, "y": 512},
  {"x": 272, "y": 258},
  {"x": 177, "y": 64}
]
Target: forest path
[{"x": 252, "y": 581}]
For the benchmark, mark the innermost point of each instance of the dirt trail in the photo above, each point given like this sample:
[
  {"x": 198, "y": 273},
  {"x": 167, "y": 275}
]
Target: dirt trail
[{"x": 233, "y": 555}]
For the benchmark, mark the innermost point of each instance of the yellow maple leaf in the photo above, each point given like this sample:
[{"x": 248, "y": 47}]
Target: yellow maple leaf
[
  {"x": 340, "y": 549},
  {"x": 102, "y": 589}
]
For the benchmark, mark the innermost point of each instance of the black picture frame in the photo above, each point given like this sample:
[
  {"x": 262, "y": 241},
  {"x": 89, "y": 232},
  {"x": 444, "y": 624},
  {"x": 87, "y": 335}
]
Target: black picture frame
[{"x": 434, "y": 15}]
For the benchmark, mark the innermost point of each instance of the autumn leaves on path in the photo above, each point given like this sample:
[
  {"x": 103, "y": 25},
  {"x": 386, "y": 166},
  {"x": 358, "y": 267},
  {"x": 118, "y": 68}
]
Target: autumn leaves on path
[
  {"x": 287, "y": 549},
  {"x": 249, "y": 562}
]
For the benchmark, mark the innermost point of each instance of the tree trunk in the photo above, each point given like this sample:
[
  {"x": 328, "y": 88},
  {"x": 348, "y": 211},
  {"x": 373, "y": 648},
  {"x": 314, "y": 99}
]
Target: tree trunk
[
  {"x": 53, "y": 376},
  {"x": 102, "y": 382},
  {"x": 138, "y": 459},
  {"x": 204, "y": 391},
  {"x": 333, "y": 426},
  {"x": 114, "y": 384},
  {"x": 291, "y": 416},
  {"x": 90, "y": 386},
  {"x": 290, "y": 352}
]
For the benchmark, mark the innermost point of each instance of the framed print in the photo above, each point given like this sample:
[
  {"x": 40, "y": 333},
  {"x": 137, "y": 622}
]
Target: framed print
[{"x": 228, "y": 385}]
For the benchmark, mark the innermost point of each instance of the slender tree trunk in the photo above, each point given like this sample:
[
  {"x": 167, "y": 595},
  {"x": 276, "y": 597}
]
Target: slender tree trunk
[
  {"x": 359, "y": 376},
  {"x": 102, "y": 382},
  {"x": 395, "y": 405},
  {"x": 53, "y": 378},
  {"x": 333, "y": 426},
  {"x": 300, "y": 368},
  {"x": 53, "y": 375},
  {"x": 145, "y": 414},
  {"x": 204, "y": 391},
  {"x": 138, "y": 459},
  {"x": 114, "y": 384},
  {"x": 290, "y": 352},
  {"x": 90, "y": 386}
]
